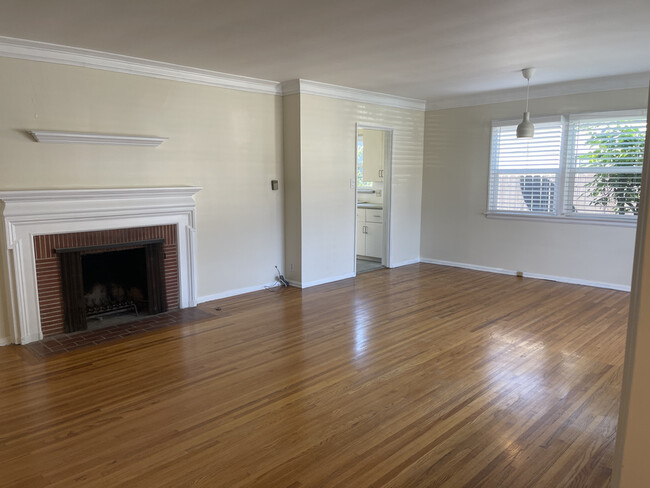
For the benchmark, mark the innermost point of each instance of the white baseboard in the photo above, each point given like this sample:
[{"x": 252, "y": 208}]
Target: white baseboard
[
  {"x": 576, "y": 281},
  {"x": 27, "y": 338},
  {"x": 475, "y": 267},
  {"x": 232, "y": 293},
  {"x": 489, "y": 269},
  {"x": 5, "y": 341},
  {"x": 561, "y": 279},
  {"x": 405, "y": 263},
  {"x": 322, "y": 281}
]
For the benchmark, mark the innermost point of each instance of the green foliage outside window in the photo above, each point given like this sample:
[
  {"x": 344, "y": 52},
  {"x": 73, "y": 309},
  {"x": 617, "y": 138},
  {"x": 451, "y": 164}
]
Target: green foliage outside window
[
  {"x": 360, "y": 182},
  {"x": 620, "y": 148}
]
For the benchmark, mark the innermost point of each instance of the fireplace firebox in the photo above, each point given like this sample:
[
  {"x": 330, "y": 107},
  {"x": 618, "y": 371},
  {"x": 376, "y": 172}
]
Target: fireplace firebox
[{"x": 104, "y": 280}]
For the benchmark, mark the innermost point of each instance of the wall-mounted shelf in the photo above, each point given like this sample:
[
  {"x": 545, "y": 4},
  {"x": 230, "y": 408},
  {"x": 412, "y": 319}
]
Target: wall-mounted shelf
[
  {"x": 91, "y": 138},
  {"x": 365, "y": 190}
]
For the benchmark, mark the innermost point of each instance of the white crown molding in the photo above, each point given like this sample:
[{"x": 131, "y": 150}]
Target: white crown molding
[
  {"x": 91, "y": 138},
  {"x": 41, "y": 212},
  {"x": 290, "y": 87},
  {"x": 636, "y": 80},
  {"x": 307, "y": 87},
  {"x": 73, "y": 56},
  {"x": 53, "y": 53}
]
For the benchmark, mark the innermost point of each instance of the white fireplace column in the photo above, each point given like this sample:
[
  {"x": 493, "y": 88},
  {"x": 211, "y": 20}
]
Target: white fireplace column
[{"x": 41, "y": 212}]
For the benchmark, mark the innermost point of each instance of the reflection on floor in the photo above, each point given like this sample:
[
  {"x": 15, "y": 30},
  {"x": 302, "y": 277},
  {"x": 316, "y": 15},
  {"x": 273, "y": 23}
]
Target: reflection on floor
[{"x": 363, "y": 265}]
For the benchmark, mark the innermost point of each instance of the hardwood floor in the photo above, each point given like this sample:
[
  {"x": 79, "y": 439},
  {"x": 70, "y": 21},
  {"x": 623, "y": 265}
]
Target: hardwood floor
[{"x": 418, "y": 376}]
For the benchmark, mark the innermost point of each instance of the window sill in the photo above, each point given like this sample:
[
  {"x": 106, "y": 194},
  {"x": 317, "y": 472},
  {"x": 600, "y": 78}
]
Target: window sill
[{"x": 561, "y": 219}]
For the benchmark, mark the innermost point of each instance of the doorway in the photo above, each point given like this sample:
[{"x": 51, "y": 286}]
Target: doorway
[{"x": 374, "y": 148}]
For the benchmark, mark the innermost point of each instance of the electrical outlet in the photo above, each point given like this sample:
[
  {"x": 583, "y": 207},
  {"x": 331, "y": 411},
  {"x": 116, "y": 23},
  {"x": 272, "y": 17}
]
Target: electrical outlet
[{"x": 520, "y": 274}]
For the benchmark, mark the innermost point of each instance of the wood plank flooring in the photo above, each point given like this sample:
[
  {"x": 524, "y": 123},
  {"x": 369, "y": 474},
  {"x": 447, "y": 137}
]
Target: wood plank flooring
[{"x": 421, "y": 376}]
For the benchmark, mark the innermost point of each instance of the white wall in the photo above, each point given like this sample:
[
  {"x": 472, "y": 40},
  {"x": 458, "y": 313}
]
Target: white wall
[
  {"x": 631, "y": 467},
  {"x": 229, "y": 142},
  {"x": 328, "y": 163},
  {"x": 455, "y": 184}
]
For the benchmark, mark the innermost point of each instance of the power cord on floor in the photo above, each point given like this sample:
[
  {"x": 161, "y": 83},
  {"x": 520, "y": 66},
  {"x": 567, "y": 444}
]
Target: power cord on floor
[
  {"x": 280, "y": 282},
  {"x": 281, "y": 278}
]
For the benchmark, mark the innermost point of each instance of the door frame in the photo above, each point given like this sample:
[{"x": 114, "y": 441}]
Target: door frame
[{"x": 387, "y": 192}]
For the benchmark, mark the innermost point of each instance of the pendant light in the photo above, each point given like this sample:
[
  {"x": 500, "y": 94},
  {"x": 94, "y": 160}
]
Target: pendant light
[{"x": 526, "y": 128}]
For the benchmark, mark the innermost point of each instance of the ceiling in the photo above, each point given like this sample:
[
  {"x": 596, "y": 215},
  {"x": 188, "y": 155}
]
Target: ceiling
[{"x": 426, "y": 49}]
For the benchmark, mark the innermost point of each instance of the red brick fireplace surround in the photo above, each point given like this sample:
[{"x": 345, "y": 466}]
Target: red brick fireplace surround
[{"x": 48, "y": 265}]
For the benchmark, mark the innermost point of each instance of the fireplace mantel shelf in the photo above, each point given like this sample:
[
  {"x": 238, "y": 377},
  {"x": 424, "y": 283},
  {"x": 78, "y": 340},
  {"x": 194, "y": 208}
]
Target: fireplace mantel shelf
[{"x": 59, "y": 137}]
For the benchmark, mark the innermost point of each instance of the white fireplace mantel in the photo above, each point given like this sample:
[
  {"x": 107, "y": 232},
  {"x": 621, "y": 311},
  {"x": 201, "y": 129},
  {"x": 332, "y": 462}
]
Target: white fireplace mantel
[{"x": 40, "y": 212}]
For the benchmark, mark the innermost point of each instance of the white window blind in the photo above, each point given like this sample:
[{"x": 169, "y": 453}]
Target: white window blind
[
  {"x": 604, "y": 163},
  {"x": 585, "y": 166},
  {"x": 524, "y": 173}
]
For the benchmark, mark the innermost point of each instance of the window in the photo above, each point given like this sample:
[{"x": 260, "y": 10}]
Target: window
[
  {"x": 576, "y": 166},
  {"x": 360, "y": 182},
  {"x": 604, "y": 162},
  {"x": 525, "y": 172}
]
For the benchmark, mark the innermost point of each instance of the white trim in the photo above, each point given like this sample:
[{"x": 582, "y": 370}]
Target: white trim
[
  {"x": 576, "y": 87},
  {"x": 73, "y": 56},
  {"x": 86, "y": 58},
  {"x": 561, "y": 219},
  {"x": 405, "y": 263},
  {"x": 321, "y": 281},
  {"x": 54, "y": 137},
  {"x": 5, "y": 341},
  {"x": 576, "y": 281},
  {"x": 474, "y": 267},
  {"x": 11, "y": 47},
  {"x": 232, "y": 293},
  {"x": 307, "y": 87},
  {"x": 387, "y": 196},
  {"x": 610, "y": 114},
  {"x": 561, "y": 279},
  {"x": 42, "y": 212}
]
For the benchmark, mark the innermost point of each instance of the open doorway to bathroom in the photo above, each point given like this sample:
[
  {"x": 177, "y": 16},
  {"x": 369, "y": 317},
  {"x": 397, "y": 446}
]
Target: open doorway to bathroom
[{"x": 373, "y": 170}]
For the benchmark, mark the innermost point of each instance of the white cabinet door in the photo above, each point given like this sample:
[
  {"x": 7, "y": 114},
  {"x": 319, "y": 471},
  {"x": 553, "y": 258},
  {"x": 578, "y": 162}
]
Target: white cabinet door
[
  {"x": 361, "y": 236},
  {"x": 373, "y": 155},
  {"x": 374, "y": 239},
  {"x": 373, "y": 215}
]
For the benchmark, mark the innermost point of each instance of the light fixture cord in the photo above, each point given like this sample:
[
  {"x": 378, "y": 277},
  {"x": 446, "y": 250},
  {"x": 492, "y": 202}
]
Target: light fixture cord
[{"x": 527, "y": 90}]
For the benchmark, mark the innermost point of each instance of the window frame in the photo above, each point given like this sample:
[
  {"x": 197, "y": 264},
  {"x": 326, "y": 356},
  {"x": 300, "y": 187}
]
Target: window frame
[{"x": 559, "y": 215}]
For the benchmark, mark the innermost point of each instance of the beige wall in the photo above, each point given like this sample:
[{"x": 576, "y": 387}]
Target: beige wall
[
  {"x": 292, "y": 191},
  {"x": 455, "y": 183},
  {"x": 229, "y": 142},
  {"x": 328, "y": 163}
]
